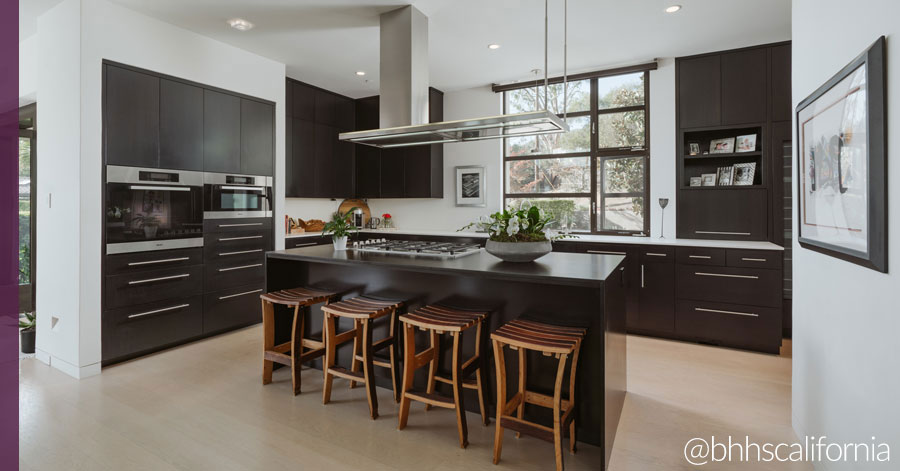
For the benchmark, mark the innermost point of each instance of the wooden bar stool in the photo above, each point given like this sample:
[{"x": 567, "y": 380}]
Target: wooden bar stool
[
  {"x": 561, "y": 342},
  {"x": 364, "y": 311},
  {"x": 291, "y": 353},
  {"x": 438, "y": 320}
]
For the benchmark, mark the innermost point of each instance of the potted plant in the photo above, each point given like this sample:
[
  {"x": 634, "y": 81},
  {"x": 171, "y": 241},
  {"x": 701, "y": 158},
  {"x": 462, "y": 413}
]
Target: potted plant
[
  {"x": 26, "y": 335},
  {"x": 517, "y": 235},
  {"x": 149, "y": 223},
  {"x": 340, "y": 227}
]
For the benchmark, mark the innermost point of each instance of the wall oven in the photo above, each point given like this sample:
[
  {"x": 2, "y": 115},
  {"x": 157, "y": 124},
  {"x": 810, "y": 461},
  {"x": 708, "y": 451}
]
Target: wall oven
[
  {"x": 236, "y": 196},
  {"x": 152, "y": 209}
]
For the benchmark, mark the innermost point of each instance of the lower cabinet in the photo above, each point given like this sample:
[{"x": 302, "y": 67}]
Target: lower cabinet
[
  {"x": 134, "y": 330},
  {"x": 656, "y": 303},
  {"x": 733, "y": 325},
  {"x": 230, "y": 308}
]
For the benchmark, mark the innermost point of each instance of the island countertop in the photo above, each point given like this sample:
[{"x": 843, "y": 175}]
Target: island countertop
[{"x": 554, "y": 268}]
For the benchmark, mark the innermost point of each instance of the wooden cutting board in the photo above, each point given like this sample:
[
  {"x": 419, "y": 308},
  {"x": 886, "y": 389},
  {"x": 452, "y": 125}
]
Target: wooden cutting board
[{"x": 346, "y": 205}]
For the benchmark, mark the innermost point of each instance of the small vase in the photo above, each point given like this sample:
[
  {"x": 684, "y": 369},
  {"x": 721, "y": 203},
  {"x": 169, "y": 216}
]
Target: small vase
[
  {"x": 518, "y": 251},
  {"x": 340, "y": 243},
  {"x": 26, "y": 336},
  {"x": 388, "y": 223},
  {"x": 150, "y": 231}
]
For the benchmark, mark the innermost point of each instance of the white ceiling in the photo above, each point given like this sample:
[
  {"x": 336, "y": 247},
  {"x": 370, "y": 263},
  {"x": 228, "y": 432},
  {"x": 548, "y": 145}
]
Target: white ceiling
[
  {"x": 29, "y": 10},
  {"x": 324, "y": 42}
]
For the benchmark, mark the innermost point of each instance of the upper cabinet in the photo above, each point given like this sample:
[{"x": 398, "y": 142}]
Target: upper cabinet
[
  {"x": 781, "y": 83},
  {"x": 257, "y": 137},
  {"x": 221, "y": 132},
  {"x": 131, "y": 117},
  {"x": 700, "y": 91},
  {"x": 180, "y": 126},
  {"x": 744, "y": 76}
]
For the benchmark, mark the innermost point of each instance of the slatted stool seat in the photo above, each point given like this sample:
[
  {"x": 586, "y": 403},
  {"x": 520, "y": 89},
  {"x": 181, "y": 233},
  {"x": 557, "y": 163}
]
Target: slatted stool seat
[
  {"x": 562, "y": 342},
  {"x": 291, "y": 353},
  {"x": 438, "y": 320},
  {"x": 364, "y": 311}
]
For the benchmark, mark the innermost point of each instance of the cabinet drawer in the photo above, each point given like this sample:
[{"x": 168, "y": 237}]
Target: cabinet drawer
[
  {"x": 236, "y": 307},
  {"x": 732, "y": 325},
  {"x": 225, "y": 247},
  {"x": 141, "y": 261},
  {"x": 233, "y": 274},
  {"x": 239, "y": 224},
  {"x": 296, "y": 242},
  {"x": 700, "y": 256},
  {"x": 755, "y": 258},
  {"x": 655, "y": 254},
  {"x": 601, "y": 249},
  {"x": 136, "y": 329},
  {"x": 153, "y": 285},
  {"x": 729, "y": 285}
]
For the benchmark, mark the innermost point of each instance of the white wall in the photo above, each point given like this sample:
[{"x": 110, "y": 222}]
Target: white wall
[
  {"x": 28, "y": 49},
  {"x": 846, "y": 384},
  {"x": 112, "y": 32}
]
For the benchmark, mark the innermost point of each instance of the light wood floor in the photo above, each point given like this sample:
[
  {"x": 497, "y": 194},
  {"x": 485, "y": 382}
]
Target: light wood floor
[{"x": 203, "y": 407}]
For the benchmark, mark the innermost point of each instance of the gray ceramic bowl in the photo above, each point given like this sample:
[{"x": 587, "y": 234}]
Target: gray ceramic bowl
[{"x": 518, "y": 251}]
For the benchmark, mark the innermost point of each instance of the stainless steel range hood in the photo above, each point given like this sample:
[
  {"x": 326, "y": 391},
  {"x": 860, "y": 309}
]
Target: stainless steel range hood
[{"x": 403, "y": 109}]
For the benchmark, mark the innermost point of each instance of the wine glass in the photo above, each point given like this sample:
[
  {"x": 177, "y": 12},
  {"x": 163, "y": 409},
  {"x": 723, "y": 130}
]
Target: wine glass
[{"x": 663, "y": 202}]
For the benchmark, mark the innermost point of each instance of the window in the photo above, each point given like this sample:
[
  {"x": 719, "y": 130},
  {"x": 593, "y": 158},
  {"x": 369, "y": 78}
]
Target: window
[
  {"x": 594, "y": 178},
  {"x": 26, "y": 158}
]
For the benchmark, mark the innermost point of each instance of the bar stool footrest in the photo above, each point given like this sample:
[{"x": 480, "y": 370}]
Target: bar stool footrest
[
  {"x": 432, "y": 399},
  {"x": 342, "y": 372},
  {"x": 528, "y": 428}
]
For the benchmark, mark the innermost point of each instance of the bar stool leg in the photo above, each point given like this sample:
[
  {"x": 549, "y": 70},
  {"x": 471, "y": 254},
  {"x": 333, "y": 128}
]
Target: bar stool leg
[
  {"x": 520, "y": 413},
  {"x": 557, "y": 400},
  {"x": 501, "y": 399},
  {"x": 572, "y": 439},
  {"x": 409, "y": 371},
  {"x": 268, "y": 312},
  {"x": 432, "y": 368},
  {"x": 461, "y": 425},
  {"x": 369, "y": 368},
  {"x": 480, "y": 382},
  {"x": 395, "y": 356},
  {"x": 296, "y": 347},
  {"x": 357, "y": 350},
  {"x": 328, "y": 335}
]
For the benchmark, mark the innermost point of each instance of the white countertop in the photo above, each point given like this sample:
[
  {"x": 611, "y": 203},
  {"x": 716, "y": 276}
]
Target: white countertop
[{"x": 608, "y": 239}]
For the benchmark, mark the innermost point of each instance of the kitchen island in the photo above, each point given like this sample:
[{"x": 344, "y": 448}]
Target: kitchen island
[{"x": 561, "y": 288}]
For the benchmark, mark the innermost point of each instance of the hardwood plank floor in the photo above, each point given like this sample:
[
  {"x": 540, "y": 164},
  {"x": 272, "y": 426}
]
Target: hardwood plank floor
[{"x": 203, "y": 407}]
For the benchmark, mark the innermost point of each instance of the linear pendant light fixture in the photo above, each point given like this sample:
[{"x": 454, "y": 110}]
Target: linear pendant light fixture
[{"x": 402, "y": 118}]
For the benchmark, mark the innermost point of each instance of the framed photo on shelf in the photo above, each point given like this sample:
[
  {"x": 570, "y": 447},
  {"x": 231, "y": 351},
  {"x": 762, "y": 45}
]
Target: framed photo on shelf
[
  {"x": 842, "y": 152},
  {"x": 744, "y": 174},
  {"x": 694, "y": 148},
  {"x": 470, "y": 186},
  {"x": 721, "y": 146},
  {"x": 746, "y": 143},
  {"x": 696, "y": 181},
  {"x": 724, "y": 176},
  {"x": 708, "y": 179}
]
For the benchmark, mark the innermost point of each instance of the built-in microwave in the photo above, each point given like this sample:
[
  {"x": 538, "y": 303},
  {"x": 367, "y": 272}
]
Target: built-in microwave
[
  {"x": 152, "y": 209},
  {"x": 236, "y": 196}
]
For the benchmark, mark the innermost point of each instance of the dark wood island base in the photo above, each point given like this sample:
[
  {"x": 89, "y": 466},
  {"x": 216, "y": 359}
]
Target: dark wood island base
[{"x": 560, "y": 288}]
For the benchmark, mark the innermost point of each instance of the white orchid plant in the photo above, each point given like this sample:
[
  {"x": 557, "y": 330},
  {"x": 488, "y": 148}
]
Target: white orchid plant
[{"x": 517, "y": 225}]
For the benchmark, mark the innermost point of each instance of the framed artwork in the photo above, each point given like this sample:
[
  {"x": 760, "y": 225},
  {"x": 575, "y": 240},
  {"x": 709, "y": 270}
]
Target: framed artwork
[
  {"x": 470, "y": 186},
  {"x": 695, "y": 148},
  {"x": 746, "y": 143},
  {"x": 724, "y": 175},
  {"x": 708, "y": 179},
  {"x": 696, "y": 181},
  {"x": 721, "y": 146},
  {"x": 842, "y": 152},
  {"x": 743, "y": 174}
]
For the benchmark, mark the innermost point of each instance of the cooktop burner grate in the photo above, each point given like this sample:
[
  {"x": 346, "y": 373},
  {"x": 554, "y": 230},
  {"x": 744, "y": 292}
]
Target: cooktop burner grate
[{"x": 417, "y": 247}]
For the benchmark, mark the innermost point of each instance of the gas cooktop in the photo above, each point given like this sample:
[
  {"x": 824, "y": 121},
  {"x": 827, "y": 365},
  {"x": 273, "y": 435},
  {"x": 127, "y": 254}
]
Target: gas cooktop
[{"x": 416, "y": 247}]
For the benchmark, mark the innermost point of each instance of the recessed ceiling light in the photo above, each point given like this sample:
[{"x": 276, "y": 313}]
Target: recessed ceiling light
[
  {"x": 360, "y": 73},
  {"x": 493, "y": 46},
  {"x": 240, "y": 24},
  {"x": 673, "y": 8}
]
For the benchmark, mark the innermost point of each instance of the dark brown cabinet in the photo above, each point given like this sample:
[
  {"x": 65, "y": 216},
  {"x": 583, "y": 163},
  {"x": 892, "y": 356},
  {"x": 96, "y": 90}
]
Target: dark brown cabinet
[
  {"x": 180, "y": 125},
  {"x": 744, "y": 75},
  {"x": 301, "y": 178},
  {"x": 781, "y": 83},
  {"x": 657, "y": 290},
  {"x": 700, "y": 91},
  {"x": 257, "y": 137},
  {"x": 131, "y": 117},
  {"x": 221, "y": 132},
  {"x": 736, "y": 214}
]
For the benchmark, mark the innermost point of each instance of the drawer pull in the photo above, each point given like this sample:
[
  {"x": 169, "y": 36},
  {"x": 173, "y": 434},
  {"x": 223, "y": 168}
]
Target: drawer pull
[
  {"x": 734, "y": 313},
  {"x": 245, "y": 224},
  {"x": 606, "y": 252},
  {"x": 725, "y": 275},
  {"x": 239, "y": 294},
  {"x": 159, "y": 188},
  {"x": 242, "y": 188},
  {"x": 157, "y": 311},
  {"x": 162, "y": 278},
  {"x": 241, "y": 267},
  {"x": 642, "y": 275},
  {"x": 722, "y": 233},
  {"x": 240, "y": 238},
  {"x": 240, "y": 252},
  {"x": 150, "y": 262},
  {"x": 656, "y": 254},
  {"x": 303, "y": 245},
  {"x": 747, "y": 259},
  {"x": 704, "y": 257}
]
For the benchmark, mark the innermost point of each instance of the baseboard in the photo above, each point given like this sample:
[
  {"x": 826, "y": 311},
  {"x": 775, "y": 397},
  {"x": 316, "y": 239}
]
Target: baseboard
[
  {"x": 42, "y": 356},
  {"x": 77, "y": 372}
]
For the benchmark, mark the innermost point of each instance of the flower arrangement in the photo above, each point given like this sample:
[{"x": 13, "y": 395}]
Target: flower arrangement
[
  {"x": 517, "y": 225},
  {"x": 386, "y": 216},
  {"x": 388, "y": 222}
]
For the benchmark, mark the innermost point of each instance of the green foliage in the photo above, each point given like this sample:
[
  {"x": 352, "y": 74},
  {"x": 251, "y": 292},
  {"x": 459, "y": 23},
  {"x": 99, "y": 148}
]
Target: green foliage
[
  {"x": 340, "y": 225},
  {"x": 27, "y": 321},
  {"x": 145, "y": 220},
  {"x": 525, "y": 224}
]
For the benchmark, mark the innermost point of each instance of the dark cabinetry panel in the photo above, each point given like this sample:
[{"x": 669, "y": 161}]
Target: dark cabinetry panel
[
  {"x": 131, "y": 118},
  {"x": 134, "y": 330},
  {"x": 301, "y": 180},
  {"x": 230, "y": 308},
  {"x": 753, "y": 327},
  {"x": 180, "y": 125},
  {"x": 393, "y": 162},
  {"x": 303, "y": 104},
  {"x": 257, "y": 137},
  {"x": 744, "y": 76},
  {"x": 739, "y": 214},
  {"x": 657, "y": 289},
  {"x": 325, "y": 108},
  {"x": 781, "y": 83},
  {"x": 700, "y": 91},
  {"x": 221, "y": 132}
]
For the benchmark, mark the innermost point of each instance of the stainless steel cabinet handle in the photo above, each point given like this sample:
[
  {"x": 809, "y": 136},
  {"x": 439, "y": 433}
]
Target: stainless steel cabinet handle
[
  {"x": 162, "y": 188},
  {"x": 240, "y": 294},
  {"x": 606, "y": 252},
  {"x": 725, "y": 275},
  {"x": 150, "y": 262},
  {"x": 304, "y": 245},
  {"x": 654, "y": 254},
  {"x": 242, "y": 188},
  {"x": 162, "y": 278},
  {"x": 722, "y": 233},
  {"x": 642, "y": 275},
  {"x": 242, "y": 224},
  {"x": 240, "y": 252},
  {"x": 747, "y": 259},
  {"x": 157, "y": 311},
  {"x": 705, "y": 257},
  {"x": 241, "y": 267},
  {"x": 735, "y": 313},
  {"x": 240, "y": 238}
]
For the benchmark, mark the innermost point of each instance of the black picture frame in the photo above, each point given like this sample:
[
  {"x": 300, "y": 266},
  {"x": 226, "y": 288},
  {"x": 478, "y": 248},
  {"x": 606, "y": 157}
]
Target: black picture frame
[{"x": 876, "y": 256}]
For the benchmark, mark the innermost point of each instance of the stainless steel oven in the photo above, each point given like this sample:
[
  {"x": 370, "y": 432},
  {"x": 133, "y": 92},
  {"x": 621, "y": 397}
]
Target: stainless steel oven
[
  {"x": 236, "y": 196},
  {"x": 152, "y": 209}
]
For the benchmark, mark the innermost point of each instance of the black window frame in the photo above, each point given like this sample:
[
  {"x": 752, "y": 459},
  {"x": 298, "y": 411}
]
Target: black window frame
[{"x": 596, "y": 155}]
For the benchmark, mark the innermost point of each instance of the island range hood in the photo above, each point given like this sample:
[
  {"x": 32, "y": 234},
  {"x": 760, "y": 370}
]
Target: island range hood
[{"x": 403, "y": 102}]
